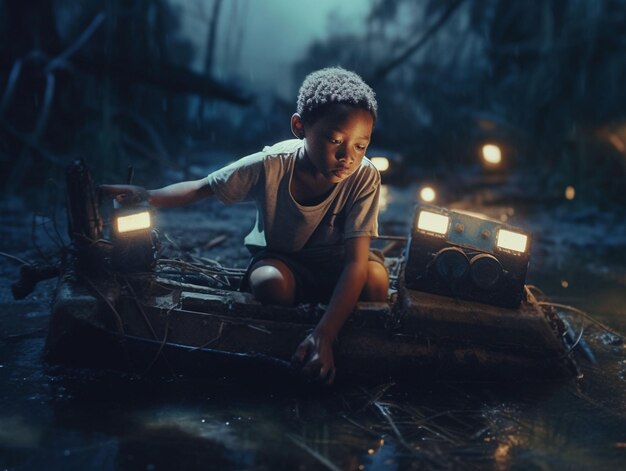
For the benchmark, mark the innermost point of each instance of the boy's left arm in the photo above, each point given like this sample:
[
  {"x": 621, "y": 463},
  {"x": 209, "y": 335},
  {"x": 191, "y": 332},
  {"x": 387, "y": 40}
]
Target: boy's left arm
[{"x": 317, "y": 348}]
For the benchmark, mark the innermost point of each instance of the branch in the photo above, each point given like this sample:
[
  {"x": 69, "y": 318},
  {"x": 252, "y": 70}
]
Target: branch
[{"x": 384, "y": 70}]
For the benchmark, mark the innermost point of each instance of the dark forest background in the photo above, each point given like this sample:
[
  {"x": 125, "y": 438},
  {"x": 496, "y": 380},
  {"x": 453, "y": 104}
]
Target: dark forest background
[{"x": 111, "y": 81}]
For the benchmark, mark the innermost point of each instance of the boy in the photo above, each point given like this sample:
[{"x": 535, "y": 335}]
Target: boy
[{"x": 317, "y": 208}]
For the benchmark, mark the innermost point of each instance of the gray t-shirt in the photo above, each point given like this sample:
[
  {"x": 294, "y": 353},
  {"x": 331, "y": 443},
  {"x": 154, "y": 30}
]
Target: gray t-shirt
[{"x": 283, "y": 225}]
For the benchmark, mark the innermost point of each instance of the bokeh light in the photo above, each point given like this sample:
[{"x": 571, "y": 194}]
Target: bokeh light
[
  {"x": 428, "y": 194},
  {"x": 381, "y": 163},
  {"x": 492, "y": 154}
]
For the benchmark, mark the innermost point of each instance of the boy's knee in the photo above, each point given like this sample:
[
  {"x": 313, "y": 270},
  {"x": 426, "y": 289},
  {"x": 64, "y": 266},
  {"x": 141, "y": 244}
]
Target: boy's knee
[
  {"x": 272, "y": 282},
  {"x": 377, "y": 283}
]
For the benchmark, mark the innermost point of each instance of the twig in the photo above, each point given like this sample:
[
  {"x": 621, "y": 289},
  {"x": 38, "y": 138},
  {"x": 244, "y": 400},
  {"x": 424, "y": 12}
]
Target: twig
[
  {"x": 45, "y": 229},
  {"x": 260, "y": 329},
  {"x": 51, "y": 184},
  {"x": 80, "y": 42},
  {"x": 22, "y": 335},
  {"x": 163, "y": 342},
  {"x": 17, "y": 259},
  {"x": 160, "y": 151},
  {"x": 375, "y": 397},
  {"x": 388, "y": 247},
  {"x": 34, "y": 241},
  {"x": 42, "y": 119},
  {"x": 537, "y": 289},
  {"x": 362, "y": 427},
  {"x": 382, "y": 71},
  {"x": 315, "y": 454},
  {"x": 218, "y": 270},
  {"x": 118, "y": 318},
  {"x": 215, "y": 241},
  {"x": 216, "y": 338},
  {"x": 202, "y": 271},
  {"x": 385, "y": 413},
  {"x": 173, "y": 242},
  {"x": 392, "y": 238},
  {"x": 28, "y": 141},
  {"x": 140, "y": 307}
]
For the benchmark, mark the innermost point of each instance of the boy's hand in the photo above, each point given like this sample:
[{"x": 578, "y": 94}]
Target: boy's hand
[
  {"x": 315, "y": 356},
  {"x": 124, "y": 194}
]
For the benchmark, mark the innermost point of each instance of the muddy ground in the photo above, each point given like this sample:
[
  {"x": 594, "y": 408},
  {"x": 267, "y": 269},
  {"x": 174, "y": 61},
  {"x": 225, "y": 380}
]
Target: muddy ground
[{"x": 55, "y": 418}]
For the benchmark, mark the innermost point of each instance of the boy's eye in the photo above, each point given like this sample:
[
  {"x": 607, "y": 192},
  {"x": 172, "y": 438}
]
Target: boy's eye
[
  {"x": 335, "y": 141},
  {"x": 361, "y": 148}
]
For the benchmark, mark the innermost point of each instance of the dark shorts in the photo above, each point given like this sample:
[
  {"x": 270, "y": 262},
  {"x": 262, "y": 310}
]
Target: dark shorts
[{"x": 316, "y": 278}]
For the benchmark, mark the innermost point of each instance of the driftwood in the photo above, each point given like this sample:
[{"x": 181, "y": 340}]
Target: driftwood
[
  {"x": 150, "y": 322},
  {"x": 188, "y": 318},
  {"x": 167, "y": 77}
]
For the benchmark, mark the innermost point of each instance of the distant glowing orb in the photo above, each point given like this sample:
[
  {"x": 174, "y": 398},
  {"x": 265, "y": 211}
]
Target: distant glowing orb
[
  {"x": 381, "y": 163},
  {"x": 570, "y": 193},
  {"x": 428, "y": 194},
  {"x": 492, "y": 154}
]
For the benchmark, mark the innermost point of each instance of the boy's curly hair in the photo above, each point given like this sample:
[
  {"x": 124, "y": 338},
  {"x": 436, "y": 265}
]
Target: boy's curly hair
[{"x": 330, "y": 86}]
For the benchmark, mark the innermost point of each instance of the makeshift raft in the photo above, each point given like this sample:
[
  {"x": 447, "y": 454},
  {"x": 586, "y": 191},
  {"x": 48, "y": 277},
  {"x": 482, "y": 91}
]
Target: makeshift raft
[
  {"x": 167, "y": 321},
  {"x": 151, "y": 323}
]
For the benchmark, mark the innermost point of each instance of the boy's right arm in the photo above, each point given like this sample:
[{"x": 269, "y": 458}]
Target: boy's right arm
[{"x": 178, "y": 194}]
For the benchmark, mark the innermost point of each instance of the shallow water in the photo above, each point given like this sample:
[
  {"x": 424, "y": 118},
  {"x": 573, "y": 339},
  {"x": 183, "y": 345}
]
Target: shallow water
[{"x": 54, "y": 418}]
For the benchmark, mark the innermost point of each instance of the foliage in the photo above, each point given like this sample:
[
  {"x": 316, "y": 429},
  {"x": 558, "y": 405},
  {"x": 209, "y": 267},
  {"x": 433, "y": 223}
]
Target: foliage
[
  {"x": 543, "y": 78},
  {"x": 84, "y": 77}
]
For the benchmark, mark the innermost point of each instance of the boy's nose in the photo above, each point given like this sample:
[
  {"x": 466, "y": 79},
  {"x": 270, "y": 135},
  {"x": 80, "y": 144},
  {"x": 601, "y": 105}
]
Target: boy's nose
[{"x": 344, "y": 155}]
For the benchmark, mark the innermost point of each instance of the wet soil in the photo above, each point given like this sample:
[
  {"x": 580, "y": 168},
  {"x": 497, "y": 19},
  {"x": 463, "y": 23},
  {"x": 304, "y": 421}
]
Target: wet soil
[{"x": 55, "y": 418}]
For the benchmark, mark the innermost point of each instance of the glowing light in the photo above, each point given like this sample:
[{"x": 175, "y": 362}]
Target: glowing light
[
  {"x": 501, "y": 455},
  {"x": 570, "y": 193},
  {"x": 617, "y": 142},
  {"x": 433, "y": 222},
  {"x": 511, "y": 240},
  {"x": 492, "y": 154},
  {"x": 381, "y": 163},
  {"x": 370, "y": 451},
  {"x": 428, "y": 194},
  {"x": 564, "y": 283},
  {"x": 133, "y": 222}
]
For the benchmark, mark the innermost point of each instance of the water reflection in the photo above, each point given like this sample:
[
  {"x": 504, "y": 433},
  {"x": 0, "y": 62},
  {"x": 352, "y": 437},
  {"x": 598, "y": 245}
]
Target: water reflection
[
  {"x": 53, "y": 418},
  {"x": 445, "y": 426}
]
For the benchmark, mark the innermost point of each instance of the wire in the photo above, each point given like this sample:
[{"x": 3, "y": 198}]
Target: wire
[
  {"x": 576, "y": 342},
  {"x": 581, "y": 313}
]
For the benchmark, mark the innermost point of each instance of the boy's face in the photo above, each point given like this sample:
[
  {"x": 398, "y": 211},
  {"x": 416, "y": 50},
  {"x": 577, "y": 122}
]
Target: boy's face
[{"x": 335, "y": 144}]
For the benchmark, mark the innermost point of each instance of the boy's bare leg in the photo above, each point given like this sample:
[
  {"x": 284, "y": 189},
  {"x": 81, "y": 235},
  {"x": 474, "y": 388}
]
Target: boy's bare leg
[
  {"x": 377, "y": 283},
  {"x": 272, "y": 282}
]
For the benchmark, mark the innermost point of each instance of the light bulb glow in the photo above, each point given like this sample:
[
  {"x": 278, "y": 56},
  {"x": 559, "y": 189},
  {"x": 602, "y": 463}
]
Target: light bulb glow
[
  {"x": 511, "y": 240},
  {"x": 428, "y": 194},
  {"x": 133, "y": 222},
  {"x": 381, "y": 163},
  {"x": 492, "y": 154},
  {"x": 433, "y": 222}
]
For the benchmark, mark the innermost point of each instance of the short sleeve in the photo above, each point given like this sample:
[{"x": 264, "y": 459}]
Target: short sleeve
[
  {"x": 362, "y": 210},
  {"x": 239, "y": 180}
]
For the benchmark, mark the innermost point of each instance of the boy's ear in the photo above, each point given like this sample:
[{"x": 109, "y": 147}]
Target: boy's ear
[{"x": 297, "y": 127}]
